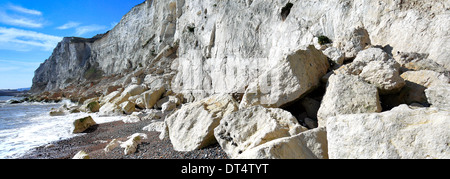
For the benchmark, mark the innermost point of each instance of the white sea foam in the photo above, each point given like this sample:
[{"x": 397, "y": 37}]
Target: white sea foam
[{"x": 26, "y": 133}]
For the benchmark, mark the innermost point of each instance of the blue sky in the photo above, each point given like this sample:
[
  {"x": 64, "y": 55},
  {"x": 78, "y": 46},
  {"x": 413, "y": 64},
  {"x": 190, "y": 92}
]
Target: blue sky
[{"x": 31, "y": 29}]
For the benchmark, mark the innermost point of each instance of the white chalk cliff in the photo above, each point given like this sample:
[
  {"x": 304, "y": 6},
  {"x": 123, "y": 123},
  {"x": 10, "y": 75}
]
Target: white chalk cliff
[{"x": 265, "y": 53}]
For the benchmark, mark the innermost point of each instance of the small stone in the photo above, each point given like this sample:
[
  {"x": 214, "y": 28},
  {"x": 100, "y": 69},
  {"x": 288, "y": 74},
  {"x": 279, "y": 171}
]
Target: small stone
[{"x": 81, "y": 155}]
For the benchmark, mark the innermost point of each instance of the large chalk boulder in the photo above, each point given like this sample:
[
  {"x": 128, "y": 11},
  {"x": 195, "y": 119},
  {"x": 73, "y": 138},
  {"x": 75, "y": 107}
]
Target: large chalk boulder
[
  {"x": 310, "y": 144},
  {"x": 299, "y": 73},
  {"x": 251, "y": 127},
  {"x": 376, "y": 67},
  {"x": 80, "y": 125},
  {"x": 402, "y": 133},
  {"x": 439, "y": 95},
  {"x": 192, "y": 126},
  {"x": 348, "y": 94}
]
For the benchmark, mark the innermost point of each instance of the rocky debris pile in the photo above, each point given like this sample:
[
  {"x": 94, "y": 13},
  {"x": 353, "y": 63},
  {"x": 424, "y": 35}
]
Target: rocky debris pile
[
  {"x": 201, "y": 42},
  {"x": 130, "y": 146},
  {"x": 351, "y": 120},
  {"x": 297, "y": 79}
]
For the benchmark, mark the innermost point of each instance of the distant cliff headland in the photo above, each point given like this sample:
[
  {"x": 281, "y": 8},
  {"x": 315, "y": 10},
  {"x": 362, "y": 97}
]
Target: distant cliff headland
[{"x": 14, "y": 92}]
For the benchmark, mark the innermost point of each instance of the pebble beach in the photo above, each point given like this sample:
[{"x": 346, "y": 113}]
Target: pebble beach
[{"x": 97, "y": 138}]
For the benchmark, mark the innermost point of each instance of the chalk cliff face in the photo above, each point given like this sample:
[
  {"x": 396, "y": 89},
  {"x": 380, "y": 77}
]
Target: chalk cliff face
[
  {"x": 171, "y": 37},
  {"x": 70, "y": 60},
  {"x": 324, "y": 61},
  {"x": 135, "y": 41}
]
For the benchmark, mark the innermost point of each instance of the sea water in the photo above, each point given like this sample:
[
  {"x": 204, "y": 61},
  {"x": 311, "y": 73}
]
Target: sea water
[{"x": 28, "y": 125}]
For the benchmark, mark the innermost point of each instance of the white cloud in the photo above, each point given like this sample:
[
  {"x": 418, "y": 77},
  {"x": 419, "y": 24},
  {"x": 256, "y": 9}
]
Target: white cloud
[
  {"x": 24, "y": 10},
  {"x": 19, "y": 16},
  {"x": 90, "y": 28},
  {"x": 23, "y": 40},
  {"x": 9, "y": 65},
  {"x": 19, "y": 21},
  {"x": 69, "y": 25}
]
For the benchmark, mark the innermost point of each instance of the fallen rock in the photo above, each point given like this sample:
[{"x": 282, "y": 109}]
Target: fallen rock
[
  {"x": 169, "y": 96},
  {"x": 192, "y": 126},
  {"x": 385, "y": 75},
  {"x": 299, "y": 73},
  {"x": 48, "y": 146},
  {"x": 416, "y": 84},
  {"x": 439, "y": 95},
  {"x": 139, "y": 101},
  {"x": 153, "y": 114},
  {"x": 352, "y": 42},
  {"x": 110, "y": 97},
  {"x": 134, "y": 90},
  {"x": 74, "y": 109},
  {"x": 136, "y": 81},
  {"x": 169, "y": 106},
  {"x": 425, "y": 78},
  {"x": 110, "y": 109},
  {"x": 131, "y": 76},
  {"x": 93, "y": 107},
  {"x": 160, "y": 102},
  {"x": 171, "y": 103},
  {"x": 112, "y": 145},
  {"x": 310, "y": 144},
  {"x": 134, "y": 117},
  {"x": 61, "y": 111},
  {"x": 254, "y": 126},
  {"x": 122, "y": 98},
  {"x": 130, "y": 146},
  {"x": 362, "y": 59},
  {"x": 80, "y": 125},
  {"x": 113, "y": 105},
  {"x": 164, "y": 133},
  {"x": 402, "y": 133},
  {"x": 128, "y": 107},
  {"x": 335, "y": 55},
  {"x": 148, "y": 114},
  {"x": 66, "y": 108},
  {"x": 376, "y": 67},
  {"x": 316, "y": 141},
  {"x": 152, "y": 96},
  {"x": 418, "y": 61},
  {"x": 155, "y": 126},
  {"x": 348, "y": 94},
  {"x": 81, "y": 155},
  {"x": 90, "y": 105},
  {"x": 154, "y": 82}
]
